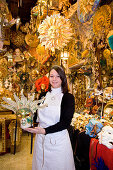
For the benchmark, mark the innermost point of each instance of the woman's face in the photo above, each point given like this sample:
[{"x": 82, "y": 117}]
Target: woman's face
[{"x": 54, "y": 79}]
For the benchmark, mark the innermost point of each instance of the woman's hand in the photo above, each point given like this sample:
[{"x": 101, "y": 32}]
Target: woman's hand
[{"x": 37, "y": 130}]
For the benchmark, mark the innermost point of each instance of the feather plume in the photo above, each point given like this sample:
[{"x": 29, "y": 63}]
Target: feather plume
[{"x": 9, "y": 107}]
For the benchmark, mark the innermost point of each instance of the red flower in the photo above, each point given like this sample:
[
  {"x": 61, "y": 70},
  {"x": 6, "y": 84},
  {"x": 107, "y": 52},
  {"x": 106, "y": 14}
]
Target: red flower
[{"x": 44, "y": 80}]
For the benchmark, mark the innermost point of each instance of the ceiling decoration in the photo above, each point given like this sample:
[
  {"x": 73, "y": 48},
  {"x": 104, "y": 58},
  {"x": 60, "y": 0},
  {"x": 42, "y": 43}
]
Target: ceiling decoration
[{"x": 24, "y": 10}]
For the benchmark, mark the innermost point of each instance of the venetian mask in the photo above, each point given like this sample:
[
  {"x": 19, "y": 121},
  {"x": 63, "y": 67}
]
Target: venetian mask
[
  {"x": 95, "y": 109},
  {"x": 89, "y": 102},
  {"x": 25, "y": 116}
]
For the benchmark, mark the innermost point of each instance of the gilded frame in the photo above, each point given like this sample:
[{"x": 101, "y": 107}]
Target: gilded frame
[{"x": 2, "y": 121}]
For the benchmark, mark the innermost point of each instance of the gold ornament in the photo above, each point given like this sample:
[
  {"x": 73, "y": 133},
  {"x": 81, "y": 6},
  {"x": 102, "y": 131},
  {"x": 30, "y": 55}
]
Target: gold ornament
[
  {"x": 55, "y": 32},
  {"x": 3, "y": 68},
  {"x": 32, "y": 40},
  {"x": 43, "y": 53},
  {"x": 85, "y": 54},
  {"x": 102, "y": 19},
  {"x": 17, "y": 38},
  {"x": 1, "y": 89},
  {"x": 35, "y": 10},
  {"x": 108, "y": 107},
  {"x": 106, "y": 53}
]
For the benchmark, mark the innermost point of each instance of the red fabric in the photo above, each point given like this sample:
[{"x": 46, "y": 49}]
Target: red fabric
[{"x": 98, "y": 150}]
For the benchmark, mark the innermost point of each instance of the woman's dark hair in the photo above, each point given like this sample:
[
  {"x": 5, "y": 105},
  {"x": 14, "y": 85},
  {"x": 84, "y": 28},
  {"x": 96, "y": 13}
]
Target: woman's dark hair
[{"x": 62, "y": 75}]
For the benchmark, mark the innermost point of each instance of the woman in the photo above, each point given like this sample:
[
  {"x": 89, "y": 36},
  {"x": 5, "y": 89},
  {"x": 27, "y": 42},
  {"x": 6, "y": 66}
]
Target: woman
[{"x": 52, "y": 148}]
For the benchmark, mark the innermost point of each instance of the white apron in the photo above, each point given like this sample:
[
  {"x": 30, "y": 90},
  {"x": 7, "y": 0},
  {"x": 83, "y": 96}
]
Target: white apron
[{"x": 52, "y": 151}]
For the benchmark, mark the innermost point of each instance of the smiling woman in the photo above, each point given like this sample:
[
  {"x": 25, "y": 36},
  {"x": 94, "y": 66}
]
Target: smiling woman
[
  {"x": 54, "y": 79},
  {"x": 54, "y": 120}
]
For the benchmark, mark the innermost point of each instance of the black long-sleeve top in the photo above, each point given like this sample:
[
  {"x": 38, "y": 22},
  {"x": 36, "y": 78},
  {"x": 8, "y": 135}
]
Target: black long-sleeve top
[{"x": 67, "y": 111}]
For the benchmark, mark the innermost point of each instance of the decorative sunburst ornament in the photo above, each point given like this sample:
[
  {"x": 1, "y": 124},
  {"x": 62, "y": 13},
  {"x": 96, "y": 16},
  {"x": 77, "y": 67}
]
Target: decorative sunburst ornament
[{"x": 55, "y": 32}]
